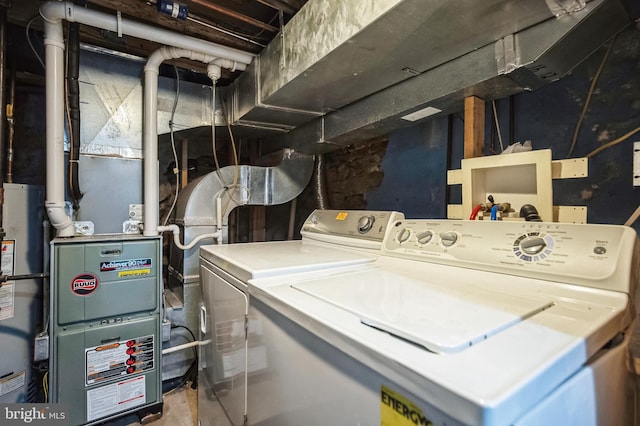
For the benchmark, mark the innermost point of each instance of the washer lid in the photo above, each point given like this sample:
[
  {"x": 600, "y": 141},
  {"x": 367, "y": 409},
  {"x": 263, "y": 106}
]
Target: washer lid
[{"x": 441, "y": 318}]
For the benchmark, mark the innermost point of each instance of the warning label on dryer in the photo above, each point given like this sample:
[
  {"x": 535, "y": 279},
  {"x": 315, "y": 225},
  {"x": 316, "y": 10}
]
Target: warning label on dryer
[
  {"x": 117, "y": 359},
  {"x": 397, "y": 410}
]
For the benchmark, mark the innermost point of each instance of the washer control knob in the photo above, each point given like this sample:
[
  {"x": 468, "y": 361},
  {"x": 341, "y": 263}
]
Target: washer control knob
[
  {"x": 365, "y": 223},
  {"x": 448, "y": 238},
  {"x": 533, "y": 245},
  {"x": 424, "y": 237},
  {"x": 404, "y": 235},
  {"x": 314, "y": 219}
]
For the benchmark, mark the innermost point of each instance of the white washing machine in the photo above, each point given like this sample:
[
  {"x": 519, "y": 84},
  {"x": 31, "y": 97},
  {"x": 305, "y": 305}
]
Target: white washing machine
[
  {"x": 458, "y": 322},
  {"x": 233, "y": 352}
]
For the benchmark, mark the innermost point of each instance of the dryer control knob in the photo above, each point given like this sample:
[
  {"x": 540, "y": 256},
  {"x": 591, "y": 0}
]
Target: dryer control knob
[
  {"x": 365, "y": 223},
  {"x": 448, "y": 238},
  {"x": 404, "y": 235}
]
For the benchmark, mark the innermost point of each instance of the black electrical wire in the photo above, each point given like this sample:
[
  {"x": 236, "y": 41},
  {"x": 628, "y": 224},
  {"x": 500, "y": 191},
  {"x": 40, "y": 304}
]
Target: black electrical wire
[
  {"x": 186, "y": 328},
  {"x": 191, "y": 373},
  {"x": 73, "y": 111}
]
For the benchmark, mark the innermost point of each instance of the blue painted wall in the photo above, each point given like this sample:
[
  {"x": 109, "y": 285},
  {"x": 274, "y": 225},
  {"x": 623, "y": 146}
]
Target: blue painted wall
[
  {"x": 415, "y": 169},
  {"x": 416, "y": 160}
]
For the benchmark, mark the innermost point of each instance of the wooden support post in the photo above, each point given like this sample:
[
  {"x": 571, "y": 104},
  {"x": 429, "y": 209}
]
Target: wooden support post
[
  {"x": 473, "y": 127},
  {"x": 258, "y": 223}
]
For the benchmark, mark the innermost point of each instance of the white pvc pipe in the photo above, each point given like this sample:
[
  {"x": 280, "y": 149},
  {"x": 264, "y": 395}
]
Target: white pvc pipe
[
  {"x": 150, "y": 129},
  {"x": 69, "y": 12},
  {"x": 175, "y": 229},
  {"x": 53, "y": 13},
  {"x": 180, "y": 347},
  {"x": 54, "y": 50}
]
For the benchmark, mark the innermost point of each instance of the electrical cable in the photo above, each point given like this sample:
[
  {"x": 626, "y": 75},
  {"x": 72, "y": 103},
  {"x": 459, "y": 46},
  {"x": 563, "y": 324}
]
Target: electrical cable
[
  {"x": 259, "y": 33},
  {"x": 213, "y": 136},
  {"x": 495, "y": 117},
  {"x": 186, "y": 328},
  {"x": 199, "y": 21},
  {"x": 45, "y": 385},
  {"x": 72, "y": 110},
  {"x": 592, "y": 87},
  {"x": 173, "y": 146},
  {"x": 190, "y": 370},
  {"x": 613, "y": 142},
  {"x": 225, "y": 186},
  {"x": 35, "y": 52},
  {"x": 494, "y": 211},
  {"x": 236, "y": 170},
  {"x": 233, "y": 141},
  {"x": 475, "y": 211}
]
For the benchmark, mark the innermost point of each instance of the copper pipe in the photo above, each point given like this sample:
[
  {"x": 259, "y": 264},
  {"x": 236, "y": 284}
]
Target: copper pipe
[{"x": 236, "y": 15}]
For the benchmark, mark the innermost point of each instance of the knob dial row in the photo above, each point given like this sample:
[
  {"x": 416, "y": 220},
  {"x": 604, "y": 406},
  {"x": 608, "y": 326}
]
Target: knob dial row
[{"x": 447, "y": 239}]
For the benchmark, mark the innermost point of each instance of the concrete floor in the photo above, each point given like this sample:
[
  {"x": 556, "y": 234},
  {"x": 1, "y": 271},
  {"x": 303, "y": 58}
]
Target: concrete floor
[{"x": 180, "y": 409}]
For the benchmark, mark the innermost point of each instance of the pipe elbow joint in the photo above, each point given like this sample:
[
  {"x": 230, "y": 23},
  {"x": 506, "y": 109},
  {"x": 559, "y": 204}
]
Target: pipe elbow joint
[
  {"x": 214, "y": 71},
  {"x": 55, "y": 11},
  {"x": 173, "y": 228},
  {"x": 59, "y": 219}
]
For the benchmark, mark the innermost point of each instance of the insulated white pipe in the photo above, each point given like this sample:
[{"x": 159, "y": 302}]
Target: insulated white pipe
[
  {"x": 53, "y": 13},
  {"x": 54, "y": 50},
  {"x": 180, "y": 347},
  {"x": 150, "y": 129},
  {"x": 175, "y": 229},
  {"x": 57, "y": 11}
]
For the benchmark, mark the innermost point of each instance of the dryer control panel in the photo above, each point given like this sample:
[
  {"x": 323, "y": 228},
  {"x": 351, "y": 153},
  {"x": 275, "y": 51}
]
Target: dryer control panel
[
  {"x": 350, "y": 227},
  {"x": 587, "y": 254}
]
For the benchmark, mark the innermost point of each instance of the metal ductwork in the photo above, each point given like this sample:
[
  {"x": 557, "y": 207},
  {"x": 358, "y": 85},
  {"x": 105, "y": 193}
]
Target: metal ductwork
[
  {"x": 342, "y": 72},
  {"x": 196, "y": 215},
  {"x": 255, "y": 185}
]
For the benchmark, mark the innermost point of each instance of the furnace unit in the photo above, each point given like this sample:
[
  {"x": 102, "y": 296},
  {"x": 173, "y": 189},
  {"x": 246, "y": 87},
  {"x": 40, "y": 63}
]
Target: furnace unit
[{"x": 106, "y": 345}]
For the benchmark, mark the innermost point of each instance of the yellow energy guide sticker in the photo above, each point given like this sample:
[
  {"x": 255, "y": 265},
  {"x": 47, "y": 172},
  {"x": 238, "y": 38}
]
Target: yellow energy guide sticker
[
  {"x": 134, "y": 273},
  {"x": 396, "y": 410},
  {"x": 342, "y": 216}
]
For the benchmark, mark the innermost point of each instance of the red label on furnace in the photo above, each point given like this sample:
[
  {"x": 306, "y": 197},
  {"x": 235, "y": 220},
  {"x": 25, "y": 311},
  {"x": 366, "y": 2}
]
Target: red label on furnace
[{"x": 84, "y": 284}]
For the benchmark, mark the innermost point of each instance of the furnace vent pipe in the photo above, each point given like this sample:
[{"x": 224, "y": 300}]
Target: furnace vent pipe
[
  {"x": 150, "y": 130},
  {"x": 53, "y": 14}
]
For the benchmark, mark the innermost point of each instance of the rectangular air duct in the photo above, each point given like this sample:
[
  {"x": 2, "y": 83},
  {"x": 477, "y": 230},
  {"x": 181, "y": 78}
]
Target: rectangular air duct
[{"x": 340, "y": 73}]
